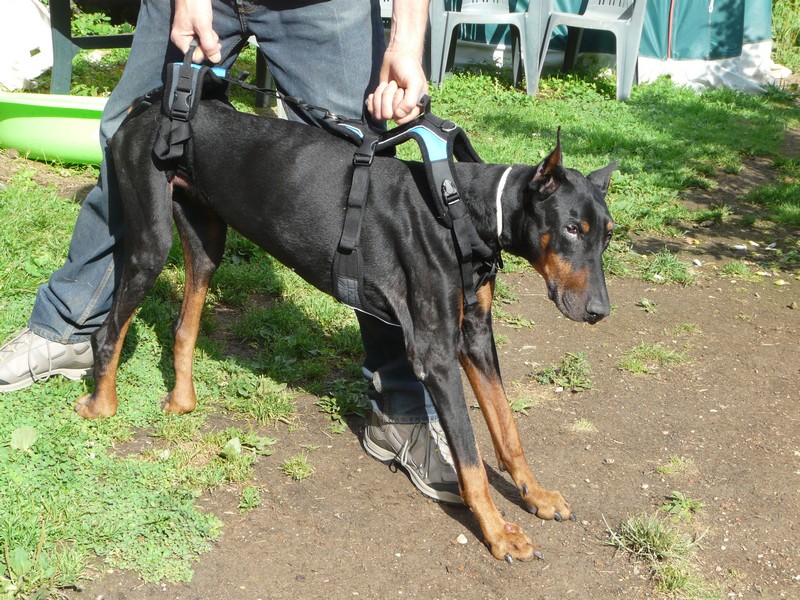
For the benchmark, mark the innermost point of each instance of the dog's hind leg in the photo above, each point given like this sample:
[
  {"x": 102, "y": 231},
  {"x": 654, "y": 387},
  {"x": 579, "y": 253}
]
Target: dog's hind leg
[
  {"x": 147, "y": 242},
  {"x": 202, "y": 235},
  {"x": 478, "y": 357}
]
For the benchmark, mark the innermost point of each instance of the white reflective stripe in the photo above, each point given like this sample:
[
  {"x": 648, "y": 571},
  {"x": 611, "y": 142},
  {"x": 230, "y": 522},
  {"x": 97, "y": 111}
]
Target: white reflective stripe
[{"x": 500, "y": 187}]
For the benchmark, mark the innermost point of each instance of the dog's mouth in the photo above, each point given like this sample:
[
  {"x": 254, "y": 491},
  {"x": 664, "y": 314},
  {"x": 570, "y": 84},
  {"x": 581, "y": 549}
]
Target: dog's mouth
[{"x": 578, "y": 306}]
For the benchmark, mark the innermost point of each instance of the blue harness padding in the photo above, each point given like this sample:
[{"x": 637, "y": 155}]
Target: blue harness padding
[{"x": 440, "y": 141}]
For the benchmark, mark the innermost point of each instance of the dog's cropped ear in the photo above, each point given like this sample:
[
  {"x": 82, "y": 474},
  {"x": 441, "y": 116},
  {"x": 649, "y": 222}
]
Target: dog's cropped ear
[
  {"x": 602, "y": 177},
  {"x": 550, "y": 172}
]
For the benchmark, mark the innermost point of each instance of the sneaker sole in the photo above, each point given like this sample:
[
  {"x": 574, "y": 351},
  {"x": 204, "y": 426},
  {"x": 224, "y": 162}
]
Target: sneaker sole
[
  {"x": 387, "y": 458},
  {"x": 73, "y": 374}
]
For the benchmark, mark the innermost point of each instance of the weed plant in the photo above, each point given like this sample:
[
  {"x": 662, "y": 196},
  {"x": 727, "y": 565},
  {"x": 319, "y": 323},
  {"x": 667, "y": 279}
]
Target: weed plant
[
  {"x": 666, "y": 551},
  {"x": 573, "y": 373},
  {"x": 645, "y": 358},
  {"x": 786, "y": 33}
]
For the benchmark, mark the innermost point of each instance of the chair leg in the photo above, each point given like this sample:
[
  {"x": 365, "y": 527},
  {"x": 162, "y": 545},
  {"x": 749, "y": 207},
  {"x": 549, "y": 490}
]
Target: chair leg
[
  {"x": 63, "y": 48},
  {"x": 448, "y": 51},
  {"x": 574, "y": 37},
  {"x": 627, "y": 65},
  {"x": 516, "y": 56},
  {"x": 438, "y": 24},
  {"x": 530, "y": 59},
  {"x": 263, "y": 79},
  {"x": 545, "y": 44}
]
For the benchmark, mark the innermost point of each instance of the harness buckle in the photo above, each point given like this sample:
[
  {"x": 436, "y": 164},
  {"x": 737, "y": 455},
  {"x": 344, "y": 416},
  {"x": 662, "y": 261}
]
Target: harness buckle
[
  {"x": 449, "y": 192},
  {"x": 181, "y": 104},
  {"x": 366, "y": 152},
  {"x": 362, "y": 160}
]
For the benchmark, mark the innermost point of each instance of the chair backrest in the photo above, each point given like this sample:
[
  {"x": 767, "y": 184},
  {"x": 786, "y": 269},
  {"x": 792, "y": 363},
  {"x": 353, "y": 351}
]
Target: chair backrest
[
  {"x": 484, "y": 6},
  {"x": 620, "y": 9}
]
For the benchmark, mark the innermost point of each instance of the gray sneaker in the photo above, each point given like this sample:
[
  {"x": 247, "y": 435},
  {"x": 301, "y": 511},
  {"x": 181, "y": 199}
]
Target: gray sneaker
[
  {"x": 29, "y": 358},
  {"x": 421, "y": 450}
]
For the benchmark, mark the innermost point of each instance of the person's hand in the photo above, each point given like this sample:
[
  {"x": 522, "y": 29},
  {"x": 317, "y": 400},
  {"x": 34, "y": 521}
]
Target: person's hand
[
  {"x": 402, "y": 82},
  {"x": 192, "y": 20}
]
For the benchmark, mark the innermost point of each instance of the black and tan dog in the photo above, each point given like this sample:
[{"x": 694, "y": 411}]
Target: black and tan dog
[{"x": 284, "y": 185}]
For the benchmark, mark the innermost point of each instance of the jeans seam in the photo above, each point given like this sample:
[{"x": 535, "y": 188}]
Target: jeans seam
[{"x": 92, "y": 303}]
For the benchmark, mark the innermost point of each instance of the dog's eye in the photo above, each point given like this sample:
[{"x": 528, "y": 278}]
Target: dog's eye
[
  {"x": 609, "y": 235},
  {"x": 572, "y": 229}
]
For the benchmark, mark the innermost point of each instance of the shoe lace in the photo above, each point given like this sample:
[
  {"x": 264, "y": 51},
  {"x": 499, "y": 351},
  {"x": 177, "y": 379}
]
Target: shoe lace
[
  {"x": 439, "y": 445},
  {"x": 10, "y": 344},
  {"x": 37, "y": 378},
  {"x": 403, "y": 455},
  {"x": 437, "y": 433}
]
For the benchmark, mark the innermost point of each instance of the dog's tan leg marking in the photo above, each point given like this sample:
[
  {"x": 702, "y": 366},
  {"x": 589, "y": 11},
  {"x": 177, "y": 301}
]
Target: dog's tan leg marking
[
  {"x": 505, "y": 540},
  {"x": 507, "y": 443},
  {"x": 103, "y": 401},
  {"x": 182, "y": 398}
]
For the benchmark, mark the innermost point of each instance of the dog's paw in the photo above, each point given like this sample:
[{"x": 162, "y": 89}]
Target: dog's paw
[
  {"x": 90, "y": 407},
  {"x": 174, "y": 405},
  {"x": 510, "y": 544},
  {"x": 546, "y": 504}
]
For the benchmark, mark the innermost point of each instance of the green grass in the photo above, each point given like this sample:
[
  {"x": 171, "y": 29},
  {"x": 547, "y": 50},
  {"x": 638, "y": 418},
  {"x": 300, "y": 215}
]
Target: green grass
[
  {"x": 681, "y": 507},
  {"x": 583, "y": 426},
  {"x": 666, "y": 551},
  {"x": 573, "y": 373},
  {"x": 249, "y": 499},
  {"x": 715, "y": 214},
  {"x": 676, "y": 465},
  {"x": 684, "y": 329},
  {"x": 645, "y": 358},
  {"x": 665, "y": 267},
  {"x": 786, "y": 33},
  {"x": 782, "y": 197},
  {"x": 298, "y": 467},
  {"x": 739, "y": 270}
]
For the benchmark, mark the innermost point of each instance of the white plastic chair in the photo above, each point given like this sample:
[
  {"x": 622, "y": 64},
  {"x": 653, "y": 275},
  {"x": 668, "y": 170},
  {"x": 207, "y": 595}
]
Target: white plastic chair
[
  {"x": 624, "y": 18},
  {"x": 528, "y": 28},
  {"x": 386, "y": 9}
]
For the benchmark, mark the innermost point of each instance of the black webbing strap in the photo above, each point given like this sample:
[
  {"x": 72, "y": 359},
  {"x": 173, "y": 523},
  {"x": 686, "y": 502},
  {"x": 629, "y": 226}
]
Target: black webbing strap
[
  {"x": 441, "y": 141},
  {"x": 348, "y": 262},
  {"x": 359, "y": 190},
  {"x": 185, "y": 85}
]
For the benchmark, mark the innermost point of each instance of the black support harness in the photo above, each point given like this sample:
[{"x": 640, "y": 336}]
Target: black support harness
[{"x": 440, "y": 141}]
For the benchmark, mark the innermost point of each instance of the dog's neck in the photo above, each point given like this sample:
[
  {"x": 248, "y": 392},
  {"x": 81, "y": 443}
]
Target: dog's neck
[{"x": 494, "y": 195}]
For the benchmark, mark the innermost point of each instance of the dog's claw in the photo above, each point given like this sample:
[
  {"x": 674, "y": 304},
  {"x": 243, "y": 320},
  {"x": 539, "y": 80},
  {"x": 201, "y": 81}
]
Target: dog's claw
[
  {"x": 572, "y": 517},
  {"x": 510, "y": 560},
  {"x": 530, "y": 508},
  {"x": 558, "y": 517},
  {"x": 538, "y": 554}
]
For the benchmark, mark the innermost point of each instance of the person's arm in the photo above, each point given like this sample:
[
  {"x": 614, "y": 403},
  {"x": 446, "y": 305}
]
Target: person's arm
[
  {"x": 193, "y": 19},
  {"x": 402, "y": 79}
]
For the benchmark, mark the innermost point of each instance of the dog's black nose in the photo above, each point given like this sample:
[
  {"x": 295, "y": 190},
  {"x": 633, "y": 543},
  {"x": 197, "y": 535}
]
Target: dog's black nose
[{"x": 597, "y": 309}]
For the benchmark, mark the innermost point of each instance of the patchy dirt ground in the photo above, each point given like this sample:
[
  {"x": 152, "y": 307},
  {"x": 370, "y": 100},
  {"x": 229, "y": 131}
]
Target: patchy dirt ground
[{"x": 732, "y": 410}]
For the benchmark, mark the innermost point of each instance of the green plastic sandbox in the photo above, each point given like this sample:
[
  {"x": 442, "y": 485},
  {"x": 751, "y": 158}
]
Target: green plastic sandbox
[{"x": 52, "y": 127}]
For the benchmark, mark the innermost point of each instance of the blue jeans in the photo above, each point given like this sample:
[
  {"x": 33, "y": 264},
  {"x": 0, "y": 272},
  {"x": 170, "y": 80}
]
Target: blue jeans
[{"x": 325, "y": 51}]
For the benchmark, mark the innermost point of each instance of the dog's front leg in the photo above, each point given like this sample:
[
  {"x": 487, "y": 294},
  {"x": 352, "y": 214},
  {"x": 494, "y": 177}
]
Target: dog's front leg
[
  {"x": 433, "y": 355},
  {"x": 478, "y": 357}
]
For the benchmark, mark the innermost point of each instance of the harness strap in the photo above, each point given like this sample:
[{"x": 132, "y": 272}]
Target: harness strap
[{"x": 439, "y": 140}]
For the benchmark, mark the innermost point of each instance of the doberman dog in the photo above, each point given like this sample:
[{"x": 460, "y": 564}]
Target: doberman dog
[{"x": 284, "y": 185}]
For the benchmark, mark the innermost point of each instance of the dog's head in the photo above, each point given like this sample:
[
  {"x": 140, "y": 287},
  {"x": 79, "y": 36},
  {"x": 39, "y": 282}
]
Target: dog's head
[{"x": 566, "y": 229}]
